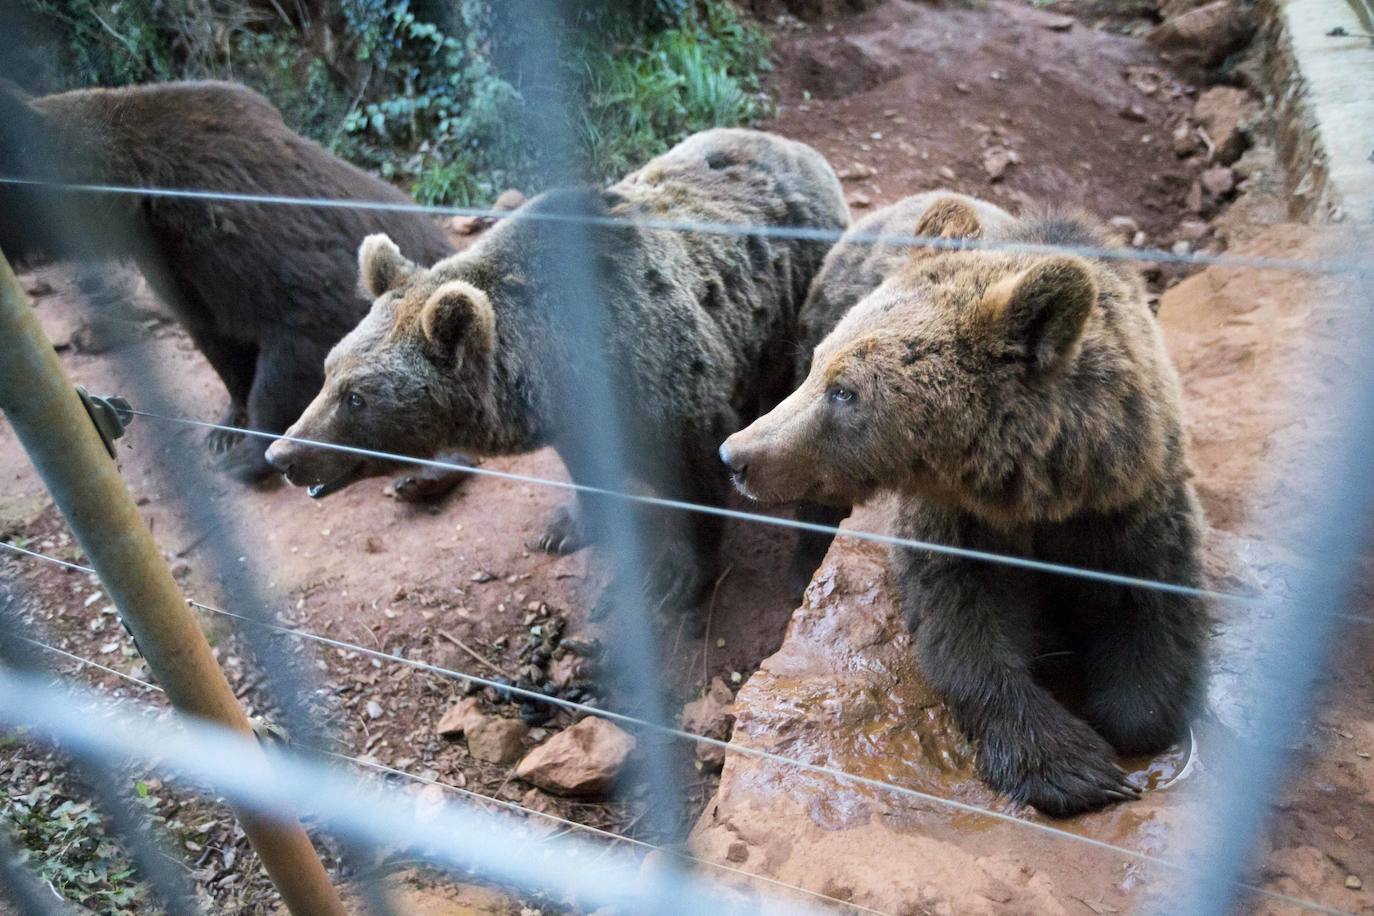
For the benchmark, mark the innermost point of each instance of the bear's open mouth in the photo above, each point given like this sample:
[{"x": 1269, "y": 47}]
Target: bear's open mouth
[{"x": 321, "y": 490}]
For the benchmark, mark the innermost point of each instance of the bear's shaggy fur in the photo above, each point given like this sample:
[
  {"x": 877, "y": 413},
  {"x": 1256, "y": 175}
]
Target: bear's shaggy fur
[
  {"x": 263, "y": 290},
  {"x": 851, "y": 270},
  {"x": 1017, "y": 404},
  {"x": 483, "y": 351}
]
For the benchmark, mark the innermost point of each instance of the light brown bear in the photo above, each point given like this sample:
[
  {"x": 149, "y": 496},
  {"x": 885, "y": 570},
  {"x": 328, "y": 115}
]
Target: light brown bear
[
  {"x": 868, "y": 253},
  {"x": 1017, "y": 404},
  {"x": 485, "y": 352}
]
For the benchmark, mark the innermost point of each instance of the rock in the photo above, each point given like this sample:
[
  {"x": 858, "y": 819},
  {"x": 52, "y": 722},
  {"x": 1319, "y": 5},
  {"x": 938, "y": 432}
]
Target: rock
[
  {"x": 373, "y": 709},
  {"x": 459, "y": 718},
  {"x": 1146, "y": 80},
  {"x": 713, "y": 715},
  {"x": 1193, "y": 230},
  {"x": 996, "y": 161},
  {"x": 946, "y": 173},
  {"x": 496, "y": 740},
  {"x": 1185, "y": 140},
  {"x": 509, "y": 199},
  {"x": 585, "y": 759},
  {"x": 1125, "y": 225},
  {"x": 1353, "y": 882},
  {"x": 860, "y": 200},
  {"x": 1203, "y": 37},
  {"x": 856, "y": 172},
  {"x": 1182, "y": 248},
  {"x": 1194, "y": 200},
  {"x": 1139, "y": 239},
  {"x": 1134, "y": 113},
  {"x": 1226, "y": 113},
  {"x": 1219, "y": 181},
  {"x": 466, "y": 225},
  {"x": 1057, "y": 23}
]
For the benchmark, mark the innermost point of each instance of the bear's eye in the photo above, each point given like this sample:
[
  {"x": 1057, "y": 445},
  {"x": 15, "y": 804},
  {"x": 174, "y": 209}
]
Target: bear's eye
[
  {"x": 840, "y": 394},
  {"x": 355, "y": 401}
]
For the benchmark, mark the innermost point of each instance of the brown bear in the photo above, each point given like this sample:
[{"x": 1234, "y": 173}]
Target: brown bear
[
  {"x": 482, "y": 351},
  {"x": 263, "y": 290},
  {"x": 1016, "y": 404},
  {"x": 868, "y": 252}
]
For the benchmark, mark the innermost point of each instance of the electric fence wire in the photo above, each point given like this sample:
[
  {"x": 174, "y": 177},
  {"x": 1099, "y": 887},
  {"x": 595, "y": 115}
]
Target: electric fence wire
[{"x": 727, "y": 746}]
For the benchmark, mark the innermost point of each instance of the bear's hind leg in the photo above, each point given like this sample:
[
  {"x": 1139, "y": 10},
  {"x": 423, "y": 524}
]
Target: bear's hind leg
[{"x": 1144, "y": 671}]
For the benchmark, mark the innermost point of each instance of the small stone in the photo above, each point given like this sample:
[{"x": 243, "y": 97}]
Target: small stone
[
  {"x": 374, "y": 709},
  {"x": 460, "y": 716},
  {"x": 1194, "y": 230},
  {"x": 585, "y": 759},
  {"x": 1125, "y": 225},
  {"x": 712, "y": 716},
  {"x": 1185, "y": 140},
  {"x": 856, "y": 172},
  {"x": 946, "y": 173},
  {"x": 1345, "y": 833},
  {"x": 1218, "y": 181},
  {"x": 996, "y": 161},
  {"x": 1182, "y": 248},
  {"x": 1193, "y": 201},
  {"x": 1134, "y": 113},
  {"x": 1058, "y": 23},
  {"x": 497, "y": 740},
  {"x": 860, "y": 200},
  {"x": 1139, "y": 240},
  {"x": 962, "y": 87},
  {"x": 465, "y": 225},
  {"x": 509, "y": 199},
  {"x": 1353, "y": 882}
]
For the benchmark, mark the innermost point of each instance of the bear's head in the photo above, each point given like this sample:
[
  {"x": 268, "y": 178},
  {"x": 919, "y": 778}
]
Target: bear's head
[
  {"x": 412, "y": 378},
  {"x": 966, "y": 378}
]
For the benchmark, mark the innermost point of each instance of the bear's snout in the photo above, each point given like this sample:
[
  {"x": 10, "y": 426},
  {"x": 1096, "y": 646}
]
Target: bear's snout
[
  {"x": 734, "y": 459},
  {"x": 281, "y": 454}
]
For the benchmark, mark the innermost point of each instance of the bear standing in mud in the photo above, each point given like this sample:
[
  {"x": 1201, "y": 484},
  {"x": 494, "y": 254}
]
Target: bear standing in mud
[
  {"x": 482, "y": 352},
  {"x": 263, "y": 290},
  {"x": 1016, "y": 404}
]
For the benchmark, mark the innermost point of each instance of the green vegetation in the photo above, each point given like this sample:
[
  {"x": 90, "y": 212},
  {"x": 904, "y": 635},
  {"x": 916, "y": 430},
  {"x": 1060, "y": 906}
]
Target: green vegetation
[
  {"x": 66, "y": 844},
  {"x": 424, "y": 91}
]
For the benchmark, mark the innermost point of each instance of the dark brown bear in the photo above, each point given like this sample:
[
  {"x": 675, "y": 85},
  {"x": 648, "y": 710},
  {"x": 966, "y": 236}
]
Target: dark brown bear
[
  {"x": 483, "y": 351},
  {"x": 1016, "y": 404},
  {"x": 263, "y": 290}
]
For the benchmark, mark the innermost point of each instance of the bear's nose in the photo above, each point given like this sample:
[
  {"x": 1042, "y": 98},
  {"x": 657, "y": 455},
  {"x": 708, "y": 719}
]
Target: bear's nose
[
  {"x": 733, "y": 461},
  {"x": 279, "y": 456}
]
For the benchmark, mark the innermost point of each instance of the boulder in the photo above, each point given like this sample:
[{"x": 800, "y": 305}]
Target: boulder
[
  {"x": 459, "y": 717},
  {"x": 585, "y": 759},
  {"x": 497, "y": 740},
  {"x": 1226, "y": 114},
  {"x": 1202, "y": 38}
]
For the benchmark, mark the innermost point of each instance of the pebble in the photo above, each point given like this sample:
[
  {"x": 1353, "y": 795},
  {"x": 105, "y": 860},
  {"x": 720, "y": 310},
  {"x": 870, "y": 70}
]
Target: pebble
[
  {"x": 374, "y": 709},
  {"x": 1182, "y": 247},
  {"x": 1353, "y": 882}
]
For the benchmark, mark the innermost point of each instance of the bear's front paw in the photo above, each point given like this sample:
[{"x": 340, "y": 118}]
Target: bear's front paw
[
  {"x": 429, "y": 483},
  {"x": 563, "y": 534},
  {"x": 1068, "y": 771},
  {"x": 247, "y": 462},
  {"x": 222, "y": 441}
]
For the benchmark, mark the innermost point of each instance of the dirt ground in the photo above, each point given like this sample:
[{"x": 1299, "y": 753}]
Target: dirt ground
[{"x": 904, "y": 98}]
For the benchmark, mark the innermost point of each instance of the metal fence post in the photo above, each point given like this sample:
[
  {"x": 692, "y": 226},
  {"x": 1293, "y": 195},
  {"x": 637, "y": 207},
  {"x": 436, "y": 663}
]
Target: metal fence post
[{"x": 70, "y": 455}]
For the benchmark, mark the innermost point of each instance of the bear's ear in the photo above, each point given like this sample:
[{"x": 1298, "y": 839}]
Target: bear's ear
[
  {"x": 457, "y": 315},
  {"x": 948, "y": 218},
  {"x": 381, "y": 266},
  {"x": 1042, "y": 309}
]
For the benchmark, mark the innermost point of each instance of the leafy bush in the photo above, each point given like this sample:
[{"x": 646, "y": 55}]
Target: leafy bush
[{"x": 421, "y": 90}]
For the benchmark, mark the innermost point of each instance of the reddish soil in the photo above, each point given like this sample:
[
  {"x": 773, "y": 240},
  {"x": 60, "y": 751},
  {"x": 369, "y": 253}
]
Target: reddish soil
[
  {"x": 941, "y": 85},
  {"x": 920, "y": 93}
]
